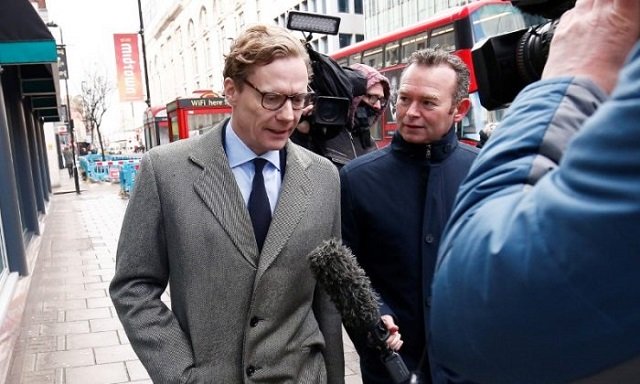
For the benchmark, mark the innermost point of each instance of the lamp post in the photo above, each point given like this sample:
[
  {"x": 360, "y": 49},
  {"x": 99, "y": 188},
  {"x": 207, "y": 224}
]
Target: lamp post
[
  {"x": 69, "y": 121},
  {"x": 144, "y": 55}
]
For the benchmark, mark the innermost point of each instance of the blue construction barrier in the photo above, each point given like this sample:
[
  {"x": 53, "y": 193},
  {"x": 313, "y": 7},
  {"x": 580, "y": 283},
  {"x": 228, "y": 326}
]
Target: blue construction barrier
[
  {"x": 128, "y": 177},
  {"x": 95, "y": 169}
]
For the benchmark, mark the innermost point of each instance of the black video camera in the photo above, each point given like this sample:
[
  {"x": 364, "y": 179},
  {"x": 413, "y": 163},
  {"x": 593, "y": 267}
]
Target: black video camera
[
  {"x": 506, "y": 63},
  {"x": 334, "y": 86}
]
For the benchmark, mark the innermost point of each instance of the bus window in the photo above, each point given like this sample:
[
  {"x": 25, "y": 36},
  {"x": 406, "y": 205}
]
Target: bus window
[
  {"x": 443, "y": 38},
  {"x": 376, "y": 130},
  {"x": 343, "y": 62},
  {"x": 412, "y": 44},
  {"x": 355, "y": 58},
  {"x": 477, "y": 118},
  {"x": 496, "y": 19},
  {"x": 392, "y": 54},
  {"x": 373, "y": 57},
  {"x": 394, "y": 80}
]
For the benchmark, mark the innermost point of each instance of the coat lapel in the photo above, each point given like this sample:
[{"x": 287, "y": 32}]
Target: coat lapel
[
  {"x": 218, "y": 189},
  {"x": 292, "y": 205}
]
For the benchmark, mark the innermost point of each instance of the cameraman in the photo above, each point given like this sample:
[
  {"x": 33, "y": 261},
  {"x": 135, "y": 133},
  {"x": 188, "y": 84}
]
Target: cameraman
[
  {"x": 537, "y": 277},
  {"x": 354, "y": 140}
]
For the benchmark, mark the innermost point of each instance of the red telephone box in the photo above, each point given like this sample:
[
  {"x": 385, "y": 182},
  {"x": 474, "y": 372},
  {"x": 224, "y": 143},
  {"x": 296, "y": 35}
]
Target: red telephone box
[{"x": 193, "y": 116}]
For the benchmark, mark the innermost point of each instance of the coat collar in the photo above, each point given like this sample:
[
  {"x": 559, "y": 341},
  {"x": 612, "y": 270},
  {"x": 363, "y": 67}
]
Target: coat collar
[
  {"x": 218, "y": 189},
  {"x": 436, "y": 151}
]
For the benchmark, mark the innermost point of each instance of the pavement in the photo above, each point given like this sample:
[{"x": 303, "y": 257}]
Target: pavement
[{"x": 69, "y": 332}]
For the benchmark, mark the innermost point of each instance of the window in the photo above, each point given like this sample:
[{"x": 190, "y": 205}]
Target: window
[
  {"x": 343, "y": 6},
  {"x": 193, "y": 41},
  {"x": 204, "y": 25},
  {"x": 373, "y": 57},
  {"x": 359, "y": 37},
  {"x": 207, "y": 53},
  {"x": 392, "y": 54},
  {"x": 412, "y": 44},
  {"x": 357, "y": 7},
  {"x": 345, "y": 40},
  {"x": 495, "y": 19},
  {"x": 323, "y": 44},
  {"x": 443, "y": 38}
]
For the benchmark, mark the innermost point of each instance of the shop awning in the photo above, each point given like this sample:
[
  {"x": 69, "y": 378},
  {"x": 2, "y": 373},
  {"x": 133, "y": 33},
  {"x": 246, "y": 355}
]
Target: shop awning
[{"x": 25, "y": 41}]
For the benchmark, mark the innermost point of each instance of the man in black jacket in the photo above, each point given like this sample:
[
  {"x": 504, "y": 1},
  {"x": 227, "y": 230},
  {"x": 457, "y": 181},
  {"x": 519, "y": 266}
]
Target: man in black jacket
[{"x": 395, "y": 203}]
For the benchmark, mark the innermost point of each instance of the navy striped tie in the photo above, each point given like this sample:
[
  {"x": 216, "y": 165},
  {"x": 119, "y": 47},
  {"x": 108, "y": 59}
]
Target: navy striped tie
[{"x": 259, "y": 208}]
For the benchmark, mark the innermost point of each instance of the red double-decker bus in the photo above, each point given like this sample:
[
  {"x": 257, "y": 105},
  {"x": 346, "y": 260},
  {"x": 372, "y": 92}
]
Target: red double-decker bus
[{"x": 455, "y": 30}]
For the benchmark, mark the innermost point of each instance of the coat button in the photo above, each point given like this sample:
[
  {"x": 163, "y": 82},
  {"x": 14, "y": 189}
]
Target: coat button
[
  {"x": 250, "y": 370},
  {"x": 254, "y": 321},
  {"x": 428, "y": 238}
]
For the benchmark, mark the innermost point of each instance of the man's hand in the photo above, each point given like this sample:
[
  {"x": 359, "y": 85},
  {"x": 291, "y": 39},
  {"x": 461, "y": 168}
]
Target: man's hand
[
  {"x": 593, "y": 40},
  {"x": 304, "y": 126},
  {"x": 394, "y": 341}
]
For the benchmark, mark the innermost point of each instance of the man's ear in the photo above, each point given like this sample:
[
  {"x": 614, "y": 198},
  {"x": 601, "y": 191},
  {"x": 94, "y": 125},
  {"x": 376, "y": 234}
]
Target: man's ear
[
  {"x": 461, "y": 109},
  {"x": 230, "y": 91}
]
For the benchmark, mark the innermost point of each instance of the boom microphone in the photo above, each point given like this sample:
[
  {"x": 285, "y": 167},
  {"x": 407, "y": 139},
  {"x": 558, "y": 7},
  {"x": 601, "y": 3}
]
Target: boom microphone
[{"x": 346, "y": 283}]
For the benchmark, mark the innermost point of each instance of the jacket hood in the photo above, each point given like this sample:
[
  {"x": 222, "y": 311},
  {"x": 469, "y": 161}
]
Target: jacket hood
[{"x": 373, "y": 77}]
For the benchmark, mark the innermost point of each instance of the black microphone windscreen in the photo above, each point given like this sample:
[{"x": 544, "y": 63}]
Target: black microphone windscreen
[{"x": 346, "y": 283}]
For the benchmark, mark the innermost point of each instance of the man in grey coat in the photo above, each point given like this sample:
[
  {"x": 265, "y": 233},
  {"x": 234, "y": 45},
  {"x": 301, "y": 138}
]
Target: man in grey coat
[{"x": 243, "y": 308}]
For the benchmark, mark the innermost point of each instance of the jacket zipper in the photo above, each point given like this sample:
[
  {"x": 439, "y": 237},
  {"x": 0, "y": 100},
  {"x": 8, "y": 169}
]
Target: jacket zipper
[{"x": 353, "y": 147}]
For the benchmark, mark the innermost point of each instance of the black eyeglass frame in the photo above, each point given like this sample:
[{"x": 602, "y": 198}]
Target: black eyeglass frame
[
  {"x": 307, "y": 98},
  {"x": 383, "y": 100}
]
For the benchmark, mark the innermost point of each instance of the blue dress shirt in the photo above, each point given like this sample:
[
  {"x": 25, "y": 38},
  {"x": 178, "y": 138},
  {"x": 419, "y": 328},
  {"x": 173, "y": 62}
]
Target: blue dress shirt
[{"x": 240, "y": 160}]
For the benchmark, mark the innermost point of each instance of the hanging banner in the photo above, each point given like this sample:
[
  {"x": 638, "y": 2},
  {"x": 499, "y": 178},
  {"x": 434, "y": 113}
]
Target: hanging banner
[{"x": 128, "y": 66}]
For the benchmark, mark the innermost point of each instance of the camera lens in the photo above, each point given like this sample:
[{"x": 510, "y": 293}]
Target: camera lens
[{"x": 532, "y": 51}]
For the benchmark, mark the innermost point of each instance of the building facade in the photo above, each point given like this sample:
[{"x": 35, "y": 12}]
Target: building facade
[
  {"x": 186, "y": 40},
  {"x": 386, "y": 16}
]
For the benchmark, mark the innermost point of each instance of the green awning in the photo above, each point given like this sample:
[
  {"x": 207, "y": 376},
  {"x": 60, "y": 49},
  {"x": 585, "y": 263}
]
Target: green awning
[
  {"x": 28, "y": 52},
  {"x": 24, "y": 37},
  {"x": 26, "y": 42}
]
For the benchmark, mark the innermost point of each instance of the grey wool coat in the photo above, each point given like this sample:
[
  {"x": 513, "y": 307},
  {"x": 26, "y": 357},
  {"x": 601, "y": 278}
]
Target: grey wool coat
[{"x": 236, "y": 316}]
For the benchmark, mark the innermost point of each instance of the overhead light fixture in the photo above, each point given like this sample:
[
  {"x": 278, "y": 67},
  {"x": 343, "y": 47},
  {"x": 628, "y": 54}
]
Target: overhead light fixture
[{"x": 313, "y": 22}]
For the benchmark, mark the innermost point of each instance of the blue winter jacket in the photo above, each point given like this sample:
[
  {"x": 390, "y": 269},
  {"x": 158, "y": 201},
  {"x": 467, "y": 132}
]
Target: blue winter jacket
[
  {"x": 395, "y": 204},
  {"x": 539, "y": 269}
]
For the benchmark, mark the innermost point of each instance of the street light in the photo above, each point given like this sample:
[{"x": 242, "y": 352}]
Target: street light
[
  {"x": 69, "y": 121},
  {"x": 144, "y": 55}
]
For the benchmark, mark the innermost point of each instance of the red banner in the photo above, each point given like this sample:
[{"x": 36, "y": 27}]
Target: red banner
[{"x": 128, "y": 66}]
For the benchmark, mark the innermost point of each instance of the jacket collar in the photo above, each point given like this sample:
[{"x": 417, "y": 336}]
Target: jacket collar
[{"x": 436, "y": 151}]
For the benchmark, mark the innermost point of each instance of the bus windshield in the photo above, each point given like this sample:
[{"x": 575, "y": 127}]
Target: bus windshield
[{"x": 497, "y": 19}]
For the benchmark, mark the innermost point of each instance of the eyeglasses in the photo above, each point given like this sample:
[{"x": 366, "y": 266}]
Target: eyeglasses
[
  {"x": 373, "y": 99},
  {"x": 274, "y": 100}
]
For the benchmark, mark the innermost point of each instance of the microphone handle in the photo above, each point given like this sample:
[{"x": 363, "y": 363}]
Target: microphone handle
[
  {"x": 392, "y": 361},
  {"x": 396, "y": 367}
]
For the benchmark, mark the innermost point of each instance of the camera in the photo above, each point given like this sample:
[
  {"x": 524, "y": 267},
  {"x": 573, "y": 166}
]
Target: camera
[
  {"x": 506, "y": 63},
  {"x": 334, "y": 86}
]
